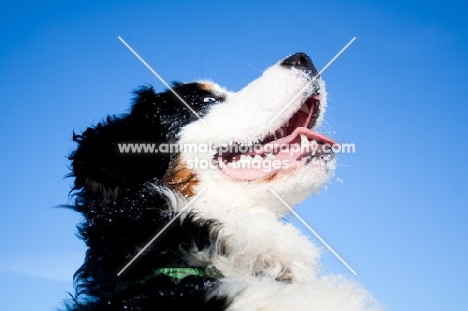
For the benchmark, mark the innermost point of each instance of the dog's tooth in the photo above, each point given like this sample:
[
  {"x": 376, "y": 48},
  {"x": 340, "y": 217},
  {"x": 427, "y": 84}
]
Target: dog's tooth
[
  {"x": 287, "y": 124},
  {"x": 270, "y": 156},
  {"x": 280, "y": 132},
  {"x": 304, "y": 140},
  {"x": 305, "y": 108},
  {"x": 258, "y": 157}
]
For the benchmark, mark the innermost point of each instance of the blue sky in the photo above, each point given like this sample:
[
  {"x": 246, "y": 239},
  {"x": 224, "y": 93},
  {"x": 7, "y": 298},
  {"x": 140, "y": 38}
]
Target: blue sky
[{"x": 396, "y": 210}]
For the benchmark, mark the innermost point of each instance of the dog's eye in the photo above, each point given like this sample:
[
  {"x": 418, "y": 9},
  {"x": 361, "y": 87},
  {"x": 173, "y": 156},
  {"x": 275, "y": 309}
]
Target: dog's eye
[{"x": 209, "y": 99}]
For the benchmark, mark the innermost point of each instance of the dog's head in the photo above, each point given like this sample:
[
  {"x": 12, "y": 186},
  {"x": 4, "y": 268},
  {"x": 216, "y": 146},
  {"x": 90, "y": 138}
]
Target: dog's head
[{"x": 235, "y": 146}]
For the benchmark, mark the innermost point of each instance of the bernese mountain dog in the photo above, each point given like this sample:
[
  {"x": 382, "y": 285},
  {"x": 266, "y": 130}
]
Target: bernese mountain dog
[{"x": 180, "y": 198}]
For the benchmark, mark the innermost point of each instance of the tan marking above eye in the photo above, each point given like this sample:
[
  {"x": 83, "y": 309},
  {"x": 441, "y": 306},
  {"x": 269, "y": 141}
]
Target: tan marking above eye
[{"x": 207, "y": 86}]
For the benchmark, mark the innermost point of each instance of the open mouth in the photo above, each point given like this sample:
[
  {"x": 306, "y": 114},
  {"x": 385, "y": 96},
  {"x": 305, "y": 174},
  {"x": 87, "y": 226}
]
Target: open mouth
[{"x": 293, "y": 144}]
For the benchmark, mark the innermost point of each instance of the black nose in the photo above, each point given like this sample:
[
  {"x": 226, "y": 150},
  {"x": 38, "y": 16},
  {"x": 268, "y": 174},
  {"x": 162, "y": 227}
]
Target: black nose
[{"x": 300, "y": 61}]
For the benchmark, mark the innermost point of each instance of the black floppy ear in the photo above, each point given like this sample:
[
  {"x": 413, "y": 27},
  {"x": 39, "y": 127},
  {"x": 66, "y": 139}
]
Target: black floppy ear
[
  {"x": 98, "y": 164},
  {"x": 95, "y": 161}
]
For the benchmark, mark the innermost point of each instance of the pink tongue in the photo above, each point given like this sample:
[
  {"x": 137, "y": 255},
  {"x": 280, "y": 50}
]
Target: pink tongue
[
  {"x": 285, "y": 158},
  {"x": 319, "y": 137}
]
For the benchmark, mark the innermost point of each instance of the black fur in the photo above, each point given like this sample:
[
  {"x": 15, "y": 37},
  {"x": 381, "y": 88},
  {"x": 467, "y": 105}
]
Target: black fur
[{"x": 124, "y": 205}]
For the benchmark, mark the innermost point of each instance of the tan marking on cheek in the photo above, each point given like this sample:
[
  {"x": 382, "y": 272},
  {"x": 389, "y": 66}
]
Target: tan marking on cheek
[{"x": 181, "y": 179}]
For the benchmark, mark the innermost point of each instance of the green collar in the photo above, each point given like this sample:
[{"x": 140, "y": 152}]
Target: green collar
[{"x": 176, "y": 274}]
